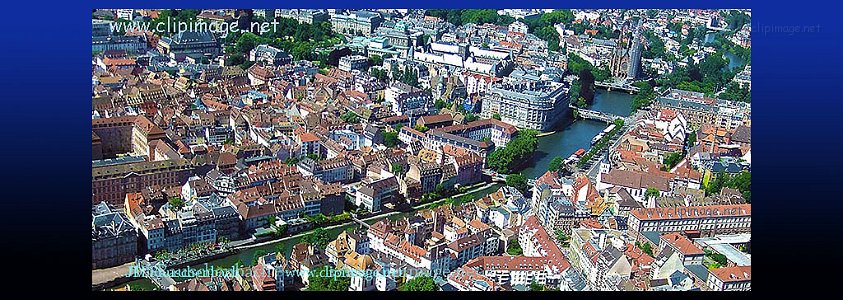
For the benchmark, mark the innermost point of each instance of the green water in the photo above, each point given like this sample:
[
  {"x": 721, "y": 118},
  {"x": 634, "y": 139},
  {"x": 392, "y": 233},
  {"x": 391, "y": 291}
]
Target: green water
[
  {"x": 246, "y": 256},
  {"x": 577, "y": 134}
]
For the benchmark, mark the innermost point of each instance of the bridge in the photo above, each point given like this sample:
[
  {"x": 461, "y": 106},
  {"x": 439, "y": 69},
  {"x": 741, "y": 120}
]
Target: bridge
[
  {"x": 356, "y": 220},
  {"x": 155, "y": 272},
  {"x": 595, "y": 115},
  {"x": 498, "y": 177},
  {"x": 623, "y": 86}
]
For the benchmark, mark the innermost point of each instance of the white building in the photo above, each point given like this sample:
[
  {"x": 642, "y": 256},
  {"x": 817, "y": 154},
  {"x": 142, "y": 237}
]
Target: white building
[
  {"x": 518, "y": 26},
  {"x": 405, "y": 99},
  {"x": 709, "y": 220},
  {"x": 526, "y": 102},
  {"x": 542, "y": 262},
  {"x": 730, "y": 279},
  {"x": 353, "y": 62}
]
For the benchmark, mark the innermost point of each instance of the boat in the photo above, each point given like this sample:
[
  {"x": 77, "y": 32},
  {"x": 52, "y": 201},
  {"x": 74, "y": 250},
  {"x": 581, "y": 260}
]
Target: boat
[
  {"x": 597, "y": 138},
  {"x": 579, "y": 152},
  {"x": 609, "y": 129}
]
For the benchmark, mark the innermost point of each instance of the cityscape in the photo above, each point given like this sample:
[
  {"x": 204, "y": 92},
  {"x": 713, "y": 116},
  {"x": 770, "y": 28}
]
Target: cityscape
[{"x": 421, "y": 150}]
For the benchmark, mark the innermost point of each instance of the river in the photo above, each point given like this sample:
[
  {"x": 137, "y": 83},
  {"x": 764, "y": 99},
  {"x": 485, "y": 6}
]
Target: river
[
  {"x": 734, "y": 60},
  {"x": 246, "y": 256},
  {"x": 575, "y": 135}
]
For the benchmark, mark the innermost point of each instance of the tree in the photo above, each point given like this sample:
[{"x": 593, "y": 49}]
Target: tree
[
  {"x": 378, "y": 73},
  {"x": 542, "y": 27},
  {"x": 459, "y": 17},
  {"x": 440, "y": 104},
  {"x": 303, "y": 51},
  {"x": 281, "y": 230},
  {"x": 397, "y": 169},
  {"x": 742, "y": 182},
  {"x": 656, "y": 46},
  {"x": 645, "y": 247},
  {"x": 602, "y": 74},
  {"x": 618, "y": 124},
  {"x": 496, "y": 116},
  {"x": 736, "y": 19},
  {"x": 318, "y": 238},
  {"x": 258, "y": 254},
  {"x": 536, "y": 287},
  {"x": 327, "y": 282},
  {"x": 375, "y": 60},
  {"x": 556, "y": 164},
  {"x": 176, "y": 202},
  {"x": 515, "y": 152},
  {"x": 645, "y": 95},
  {"x": 576, "y": 64},
  {"x": 717, "y": 260},
  {"x": 583, "y": 88},
  {"x": 291, "y": 161},
  {"x": 419, "y": 284},
  {"x": 439, "y": 189},
  {"x": 735, "y": 92},
  {"x": 514, "y": 248},
  {"x": 390, "y": 139},
  {"x": 517, "y": 181},
  {"x": 581, "y": 102},
  {"x": 271, "y": 220},
  {"x": 563, "y": 238},
  {"x": 651, "y": 192},
  {"x": 549, "y": 35},
  {"x": 350, "y": 117},
  {"x": 670, "y": 160},
  {"x": 247, "y": 42},
  {"x": 421, "y": 128},
  {"x": 691, "y": 139}
]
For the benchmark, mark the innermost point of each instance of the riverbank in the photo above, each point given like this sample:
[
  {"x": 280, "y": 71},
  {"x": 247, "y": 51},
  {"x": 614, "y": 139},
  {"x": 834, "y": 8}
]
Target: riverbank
[
  {"x": 545, "y": 133},
  {"x": 572, "y": 134},
  {"x": 243, "y": 254}
]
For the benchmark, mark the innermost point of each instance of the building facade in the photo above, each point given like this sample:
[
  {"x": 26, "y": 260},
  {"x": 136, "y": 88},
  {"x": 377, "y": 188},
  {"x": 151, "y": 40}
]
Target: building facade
[
  {"x": 529, "y": 104},
  {"x": 708, "y": 220},
  {"x": 114, "y": 241},
  {"x": 362, "y": 22}
]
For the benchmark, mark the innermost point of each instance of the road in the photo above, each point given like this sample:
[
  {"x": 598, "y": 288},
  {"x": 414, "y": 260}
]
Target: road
[
  {"x": 379, "y": 216},
  {"x": 99, "y": 276},
  {"x": 109, "y": 274},
  {"x": 594, "y": 166}
]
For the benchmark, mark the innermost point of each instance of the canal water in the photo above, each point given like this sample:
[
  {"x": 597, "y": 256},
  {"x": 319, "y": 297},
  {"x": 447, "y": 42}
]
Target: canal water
[
  {"x": 734, "y": 60},
  {"x": 577, "y": 134},
  {"x": 247, "y": 256},
  {"x": 615, "y": 102}
]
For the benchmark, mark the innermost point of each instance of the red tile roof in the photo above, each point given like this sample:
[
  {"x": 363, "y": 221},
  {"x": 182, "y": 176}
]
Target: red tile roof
[
  {"x": 682, "y": 244},
  {"x": 733, "y": 274},
  {"x": 308, "y": 137},
  {"x": 591, "y": 223},
  {"x": 466, "y": 277},
  {"x": 691, "y": 212}
]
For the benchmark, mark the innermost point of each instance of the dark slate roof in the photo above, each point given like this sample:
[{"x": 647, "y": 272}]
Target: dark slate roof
[
  {"x": 191, "y": 37},
  {"x": 653, "y": 236},
  {"x": 698, "y": 270},
  {"x": 742, "y": 134}
]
